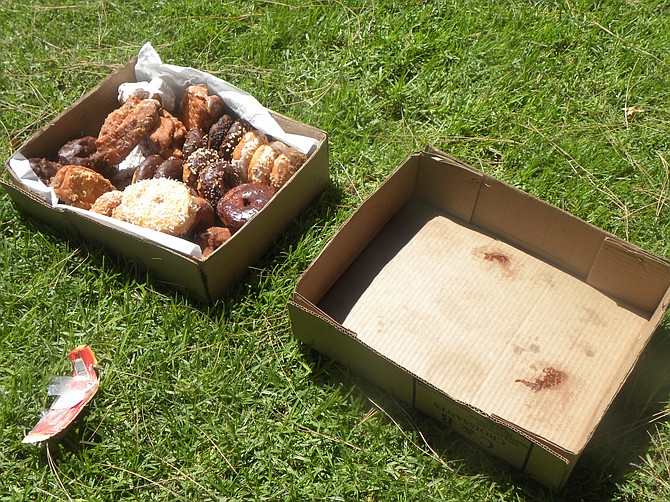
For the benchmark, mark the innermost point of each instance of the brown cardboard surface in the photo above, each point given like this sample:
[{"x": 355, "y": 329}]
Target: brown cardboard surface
[
  {"x": 475, "y": 292},
  {"x": 472, "y": 315},
  {"x": 205, "y": 279}
]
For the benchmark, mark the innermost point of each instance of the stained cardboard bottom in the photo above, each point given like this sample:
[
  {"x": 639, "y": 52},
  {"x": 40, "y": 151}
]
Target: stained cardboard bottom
[{"x": 486, "y": 323}]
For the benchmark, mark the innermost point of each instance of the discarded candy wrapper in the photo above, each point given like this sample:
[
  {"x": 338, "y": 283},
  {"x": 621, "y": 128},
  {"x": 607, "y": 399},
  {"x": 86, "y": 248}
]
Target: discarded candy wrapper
[{"x": 73, "y": 394}]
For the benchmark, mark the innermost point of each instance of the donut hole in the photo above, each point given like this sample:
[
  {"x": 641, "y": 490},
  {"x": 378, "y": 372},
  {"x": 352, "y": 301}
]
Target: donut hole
[{"x": 246, "y": 202}]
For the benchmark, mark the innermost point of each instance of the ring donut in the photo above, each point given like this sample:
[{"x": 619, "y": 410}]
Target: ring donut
[{"x": 243, "y": 202}]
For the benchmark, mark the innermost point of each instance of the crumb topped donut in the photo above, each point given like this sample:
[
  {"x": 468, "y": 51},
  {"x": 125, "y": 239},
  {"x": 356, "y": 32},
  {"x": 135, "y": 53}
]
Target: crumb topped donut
[
  {"x": 245, "y": 149},
  {"x": 160, "y": 204},
  {"x": 243, "y": 202},
  {"x": 196, "y": 163}
]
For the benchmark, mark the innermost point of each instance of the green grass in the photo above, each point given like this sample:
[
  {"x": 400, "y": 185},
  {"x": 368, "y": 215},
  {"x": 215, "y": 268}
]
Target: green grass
[{"x": 220, "y": 402}]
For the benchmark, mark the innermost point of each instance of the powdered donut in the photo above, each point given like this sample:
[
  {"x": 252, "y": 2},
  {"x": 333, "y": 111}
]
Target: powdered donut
[
  {"x": 160, "y": 204},
  {"x": 243, "y": 202}
]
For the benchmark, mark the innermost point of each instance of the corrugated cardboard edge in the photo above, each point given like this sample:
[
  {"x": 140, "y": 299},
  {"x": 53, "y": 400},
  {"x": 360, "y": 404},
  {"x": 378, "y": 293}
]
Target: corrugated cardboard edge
[
  {"x": 548, "y": 463},
  {"x": 206, "y": 279}
]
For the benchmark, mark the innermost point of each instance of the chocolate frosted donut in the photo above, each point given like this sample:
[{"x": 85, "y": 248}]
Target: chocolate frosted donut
[
  {"x": 147, "y": 168},
  {"x": 241, "y": 203},
  {"x": 212, "y": 181},
  {"x": 217, "y": 133},
  {"x": 45, "y": 169},
  {"x": 172, "y": 168},
  {"x": 81, "y": 152},
  {"x": 233, "y": 137},
  {"x": 195, "y": 139},
  {"x": 196, "y": 163}
]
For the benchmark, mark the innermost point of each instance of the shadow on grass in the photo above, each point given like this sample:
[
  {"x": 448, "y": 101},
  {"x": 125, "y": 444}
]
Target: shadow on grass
[{"x": 619, "y": 442}]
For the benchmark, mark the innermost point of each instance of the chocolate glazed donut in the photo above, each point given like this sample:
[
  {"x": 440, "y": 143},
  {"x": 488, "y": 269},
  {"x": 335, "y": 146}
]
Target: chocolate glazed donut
[{"x": 243, "y": 202}]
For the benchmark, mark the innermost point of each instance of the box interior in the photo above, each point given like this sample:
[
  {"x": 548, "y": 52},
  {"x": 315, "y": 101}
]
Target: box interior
[{"x": 491, "y": 296}]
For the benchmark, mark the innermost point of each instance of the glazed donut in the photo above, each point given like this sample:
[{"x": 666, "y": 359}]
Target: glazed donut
[
  {"x": 199, "y": 110},
  {"x": 160, "y": 204},
  {"x": 241, "y": 203},
  {"x": 245, "y": 150},
  {"x": 287, "y": 162}
]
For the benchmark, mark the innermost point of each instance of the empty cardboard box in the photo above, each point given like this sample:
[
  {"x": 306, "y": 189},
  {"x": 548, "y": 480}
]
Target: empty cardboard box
[
  {"x": 509, "y": 320},
  {"x": 205, "y": 279}
]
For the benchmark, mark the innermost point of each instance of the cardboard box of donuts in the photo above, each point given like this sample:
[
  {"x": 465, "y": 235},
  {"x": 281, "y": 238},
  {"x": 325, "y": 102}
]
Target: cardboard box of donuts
[{"x": 174, "y": 168}]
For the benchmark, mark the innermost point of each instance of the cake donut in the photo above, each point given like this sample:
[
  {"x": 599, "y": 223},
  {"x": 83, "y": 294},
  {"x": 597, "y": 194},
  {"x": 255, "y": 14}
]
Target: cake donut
[
  {"x": 261, "y": 164},
  {"x": 241, "y": 203},
  {"x": 245, "y": 150},
  {"x": 107, "y": 202},
  {"x": 287, "y": 162},
  {"x": 205, "y": 216},
  {"x": 159, "y": 204}
]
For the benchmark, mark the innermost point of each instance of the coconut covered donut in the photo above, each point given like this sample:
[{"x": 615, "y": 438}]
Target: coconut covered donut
[{"x": 160, "y": 204}]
